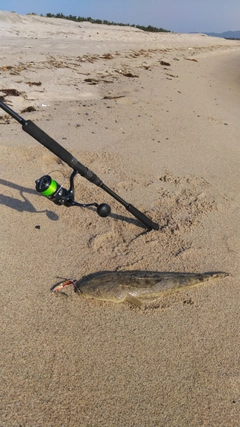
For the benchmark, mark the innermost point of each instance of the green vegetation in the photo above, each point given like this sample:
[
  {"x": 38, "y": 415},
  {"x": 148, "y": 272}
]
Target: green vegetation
[{"x": 99, "y": 21}]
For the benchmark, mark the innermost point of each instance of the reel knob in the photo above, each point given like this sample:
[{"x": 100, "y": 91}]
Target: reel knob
[{"x": 103, "y": 210}]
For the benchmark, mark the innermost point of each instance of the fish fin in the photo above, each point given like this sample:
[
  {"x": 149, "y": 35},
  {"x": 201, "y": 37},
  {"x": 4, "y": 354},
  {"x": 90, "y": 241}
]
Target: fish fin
[
  {"x": 132, "y": 300},
  {"x": 220, "y": 274}
]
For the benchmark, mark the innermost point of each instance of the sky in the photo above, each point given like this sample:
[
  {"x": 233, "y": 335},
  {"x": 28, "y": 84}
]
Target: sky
[{"x": 175, "y": 15}]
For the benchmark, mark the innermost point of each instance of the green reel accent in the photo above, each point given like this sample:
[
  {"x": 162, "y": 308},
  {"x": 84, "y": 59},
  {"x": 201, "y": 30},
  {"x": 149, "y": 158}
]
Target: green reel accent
[{"x": 51, "y": 189}]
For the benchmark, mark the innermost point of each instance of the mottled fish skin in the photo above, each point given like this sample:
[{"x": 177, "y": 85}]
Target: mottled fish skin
[{"x": 137, "y": 286}]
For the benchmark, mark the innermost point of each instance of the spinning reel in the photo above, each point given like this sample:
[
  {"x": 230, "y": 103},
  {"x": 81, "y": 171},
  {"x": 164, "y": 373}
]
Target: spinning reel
[{"x": 49, "y": 188}]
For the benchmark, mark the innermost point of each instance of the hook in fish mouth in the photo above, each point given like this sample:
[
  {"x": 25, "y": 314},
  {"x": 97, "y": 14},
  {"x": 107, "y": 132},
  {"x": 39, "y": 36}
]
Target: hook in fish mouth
[{"x": 60, "y": 285}]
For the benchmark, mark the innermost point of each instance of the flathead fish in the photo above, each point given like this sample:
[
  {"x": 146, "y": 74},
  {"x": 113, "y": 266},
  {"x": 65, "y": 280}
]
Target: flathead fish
[{"x": 138, "y": 287}]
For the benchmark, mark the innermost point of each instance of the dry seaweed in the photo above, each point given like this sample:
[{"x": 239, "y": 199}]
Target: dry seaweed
[
  {"x": 5, "y": 119},
  {"x": 91, "y": 81},
  {"x": 28, "y": 109},
  {"x": 191, "y": 59},
  {"x": 127, "y": 73},
  {"x": 9, "y": 92},
  {"x": 14, "y": 70},
  {"x": 165, "y": 64},
  {"x": 113, "y": 96},
  {"x": 171, "y": 75},
  {"x": 34, "y": 83},
  {"x": 107, "y": 56}
]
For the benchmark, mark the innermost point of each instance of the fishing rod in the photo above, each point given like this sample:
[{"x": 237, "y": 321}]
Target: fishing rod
[{"x": 59, "y": 195}]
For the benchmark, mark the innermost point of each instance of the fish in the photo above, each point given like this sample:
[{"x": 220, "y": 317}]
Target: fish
[{"x": 138, "y": 287}]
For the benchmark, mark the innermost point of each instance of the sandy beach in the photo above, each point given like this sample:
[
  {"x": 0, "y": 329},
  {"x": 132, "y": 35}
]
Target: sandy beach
[{"x": 156, "y": 117}]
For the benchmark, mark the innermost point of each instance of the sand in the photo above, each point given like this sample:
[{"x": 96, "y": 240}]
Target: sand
[{"x": 166, "y": 139}]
